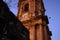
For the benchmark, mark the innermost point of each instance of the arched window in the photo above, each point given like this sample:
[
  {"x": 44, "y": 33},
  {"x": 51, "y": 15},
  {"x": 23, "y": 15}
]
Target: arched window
[
  {"x": 26, "y": 8},
  {"x": 36, "y": 31}
]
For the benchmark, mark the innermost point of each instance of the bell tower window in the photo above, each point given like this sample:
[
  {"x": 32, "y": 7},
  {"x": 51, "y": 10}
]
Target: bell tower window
[{"x": 26, "y": 8}]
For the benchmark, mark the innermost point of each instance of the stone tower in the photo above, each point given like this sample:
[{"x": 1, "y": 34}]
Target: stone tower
[{"x": 32, "y": 14}]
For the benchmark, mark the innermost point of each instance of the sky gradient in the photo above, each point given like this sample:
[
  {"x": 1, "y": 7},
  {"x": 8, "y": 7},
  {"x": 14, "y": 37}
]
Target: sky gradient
[{"x": 52, "y": 10}]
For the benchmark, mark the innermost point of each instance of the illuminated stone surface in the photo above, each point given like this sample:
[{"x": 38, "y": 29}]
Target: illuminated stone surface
[{"x": 32, "y": 14}]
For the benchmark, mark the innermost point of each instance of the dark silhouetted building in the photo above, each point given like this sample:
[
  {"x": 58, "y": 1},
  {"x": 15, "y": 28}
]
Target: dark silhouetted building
[{"x": 10, "y": 27}]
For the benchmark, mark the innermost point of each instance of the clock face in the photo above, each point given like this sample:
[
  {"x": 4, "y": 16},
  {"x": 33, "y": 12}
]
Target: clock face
[{"x": 25, "y": 16}]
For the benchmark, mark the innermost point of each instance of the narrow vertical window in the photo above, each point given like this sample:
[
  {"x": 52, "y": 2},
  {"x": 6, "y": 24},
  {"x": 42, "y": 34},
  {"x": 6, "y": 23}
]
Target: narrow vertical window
[
  {"x": 36, "y": 31},
  {"x": 26, "y": 8}
]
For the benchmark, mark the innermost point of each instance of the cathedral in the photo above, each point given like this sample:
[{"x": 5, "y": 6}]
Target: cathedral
[{"x": 32, "y": 14}]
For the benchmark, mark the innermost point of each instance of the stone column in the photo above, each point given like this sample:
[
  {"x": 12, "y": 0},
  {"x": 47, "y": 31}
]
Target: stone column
[
  {"x": 45, "y": 33},
  {"x": 32, "y": 33}
]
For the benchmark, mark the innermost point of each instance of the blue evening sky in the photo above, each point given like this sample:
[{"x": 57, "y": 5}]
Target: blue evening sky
[{"x": 52, "y": 10}]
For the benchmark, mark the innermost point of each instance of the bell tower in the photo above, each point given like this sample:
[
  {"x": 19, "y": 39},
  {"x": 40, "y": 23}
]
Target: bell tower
[{"x": 32, "y": 14}]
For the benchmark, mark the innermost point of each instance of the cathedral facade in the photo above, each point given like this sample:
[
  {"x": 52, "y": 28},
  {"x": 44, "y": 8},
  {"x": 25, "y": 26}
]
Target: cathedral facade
[{"x": 32, "y": 14}]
